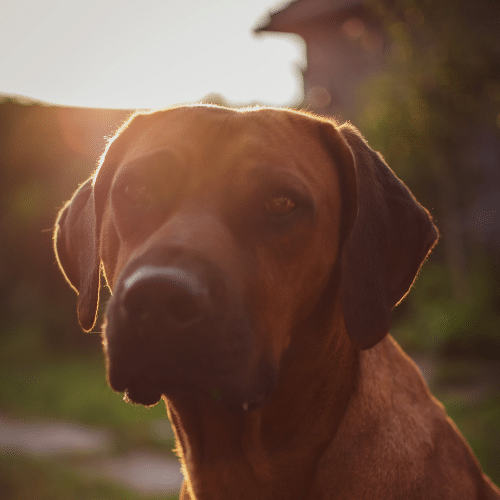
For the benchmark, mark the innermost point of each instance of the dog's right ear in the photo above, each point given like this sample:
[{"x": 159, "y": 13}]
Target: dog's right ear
[
  {"x": 75, "y": 245},
  {"x": 391, "y": 237}
]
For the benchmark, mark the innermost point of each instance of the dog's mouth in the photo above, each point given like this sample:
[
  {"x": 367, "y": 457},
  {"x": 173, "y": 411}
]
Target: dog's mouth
[
  {"x": 172, "y": 330},
  {"x": 146, "y": 394},
  {"x": 145, "y": 379},
  {"x": 146, "y": 382},
  {"x": 150, "y": 398}
]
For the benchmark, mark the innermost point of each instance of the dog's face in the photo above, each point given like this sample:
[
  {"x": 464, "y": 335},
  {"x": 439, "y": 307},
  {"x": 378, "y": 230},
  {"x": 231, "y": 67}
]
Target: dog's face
[
  {"x": 217, "y": 229},
  {"x": 222, "y": 234}
]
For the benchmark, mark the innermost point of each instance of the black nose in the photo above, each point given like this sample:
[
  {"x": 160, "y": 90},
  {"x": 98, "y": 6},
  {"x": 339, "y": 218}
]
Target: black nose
[{"x": 164, "y": 295}]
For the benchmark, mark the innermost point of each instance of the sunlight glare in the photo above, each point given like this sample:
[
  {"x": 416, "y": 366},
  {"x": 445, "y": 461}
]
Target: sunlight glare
[{"x": 128, "y": 55}]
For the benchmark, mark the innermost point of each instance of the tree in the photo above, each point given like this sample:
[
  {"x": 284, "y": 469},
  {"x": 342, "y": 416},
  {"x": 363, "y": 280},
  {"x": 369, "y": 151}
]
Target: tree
[{"x": 439, "y": 93}]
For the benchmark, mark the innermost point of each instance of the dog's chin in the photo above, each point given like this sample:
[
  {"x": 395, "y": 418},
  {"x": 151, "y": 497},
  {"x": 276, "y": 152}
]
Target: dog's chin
[
  {"x": 234, "y": 405},
  {"x": 142, "y": 397},
  {"x": 232, "y": 401}
]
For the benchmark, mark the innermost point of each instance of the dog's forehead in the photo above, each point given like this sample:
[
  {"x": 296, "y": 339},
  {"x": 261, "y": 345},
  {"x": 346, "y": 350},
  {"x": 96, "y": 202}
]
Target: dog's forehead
[{"x": 220, "y": 141}]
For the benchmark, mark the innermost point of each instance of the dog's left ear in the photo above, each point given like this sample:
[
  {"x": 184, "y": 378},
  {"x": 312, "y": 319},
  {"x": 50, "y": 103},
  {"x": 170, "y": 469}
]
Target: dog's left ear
[
  {"x": 390, "y": 237},
  {"x": 77, "y": 254}
]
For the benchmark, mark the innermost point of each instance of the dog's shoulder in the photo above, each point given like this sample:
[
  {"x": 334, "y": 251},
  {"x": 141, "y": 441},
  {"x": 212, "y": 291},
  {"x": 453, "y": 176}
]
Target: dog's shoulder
[{"x": 394, "y": 428}]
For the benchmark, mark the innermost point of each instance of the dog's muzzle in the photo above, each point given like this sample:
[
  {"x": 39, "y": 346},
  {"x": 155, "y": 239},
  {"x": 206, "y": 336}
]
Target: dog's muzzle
[{"x": 173, "y": 329}]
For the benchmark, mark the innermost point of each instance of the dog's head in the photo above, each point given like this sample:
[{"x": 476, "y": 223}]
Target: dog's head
[{"x": 219, "y": 231}]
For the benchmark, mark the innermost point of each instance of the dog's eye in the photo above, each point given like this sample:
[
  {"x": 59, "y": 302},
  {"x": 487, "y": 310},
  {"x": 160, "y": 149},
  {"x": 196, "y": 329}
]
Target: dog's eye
[
  {"x": 137, "y": 194},
  {"x": 280, "y": 205}
]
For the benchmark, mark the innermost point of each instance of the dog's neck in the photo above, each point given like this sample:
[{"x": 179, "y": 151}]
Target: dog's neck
[{"x": 272, "y": 451}]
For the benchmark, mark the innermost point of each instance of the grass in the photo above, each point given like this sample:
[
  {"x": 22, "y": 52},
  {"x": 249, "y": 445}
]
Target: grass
[{"x": 74, "y": 389}]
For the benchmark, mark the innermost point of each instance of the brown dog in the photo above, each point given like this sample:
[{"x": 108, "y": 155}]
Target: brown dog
[{"x": 254, "y": 258}]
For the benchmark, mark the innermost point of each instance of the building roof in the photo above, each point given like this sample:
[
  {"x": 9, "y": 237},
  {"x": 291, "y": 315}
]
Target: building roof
[{"x": 298, "y": 12}]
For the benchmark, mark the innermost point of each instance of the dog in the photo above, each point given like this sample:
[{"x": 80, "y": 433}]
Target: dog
[{"x": 254, "y": 257}]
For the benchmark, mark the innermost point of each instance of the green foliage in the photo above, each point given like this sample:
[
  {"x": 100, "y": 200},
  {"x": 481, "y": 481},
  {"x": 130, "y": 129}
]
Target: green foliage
[
  {"x": 437, "y": 97},
  {"x": 470, "y": 395},
  {"x": 433, "y": 321},
  {"x": 49, "y": 369},
  {"x": 440, "y": 89},
  {"x": 478, "y": 421},
  {"x": 41, "y": 164}
]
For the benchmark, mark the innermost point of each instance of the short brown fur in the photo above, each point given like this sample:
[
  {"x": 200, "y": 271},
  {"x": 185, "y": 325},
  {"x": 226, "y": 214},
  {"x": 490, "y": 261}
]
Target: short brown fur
[{"x": 349, "y": 415}]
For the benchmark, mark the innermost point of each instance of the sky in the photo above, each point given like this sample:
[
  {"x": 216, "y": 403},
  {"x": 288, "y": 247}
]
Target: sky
[{"x": 147, "y": 54}]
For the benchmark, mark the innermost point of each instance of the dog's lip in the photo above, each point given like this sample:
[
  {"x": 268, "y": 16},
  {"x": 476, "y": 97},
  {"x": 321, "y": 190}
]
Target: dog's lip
[
  {"x": 143, "y": 392},
  {"x": 147, "y": 390},
  {"x": 145, "y": 396}
]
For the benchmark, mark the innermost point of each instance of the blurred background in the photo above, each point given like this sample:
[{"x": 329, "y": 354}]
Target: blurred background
[{"x": 420, "y": 79}]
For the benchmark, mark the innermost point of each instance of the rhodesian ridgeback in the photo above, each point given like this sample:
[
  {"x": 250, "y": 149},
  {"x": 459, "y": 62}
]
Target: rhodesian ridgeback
[{"x": 254, "y": 257}]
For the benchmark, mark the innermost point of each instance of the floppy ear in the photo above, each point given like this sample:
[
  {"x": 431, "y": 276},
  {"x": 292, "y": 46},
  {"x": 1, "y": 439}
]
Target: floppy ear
[
  {"x": 387, "y": 243},
  {"x": 76, "y": 250}
]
